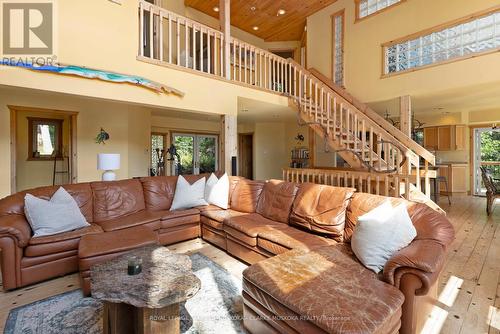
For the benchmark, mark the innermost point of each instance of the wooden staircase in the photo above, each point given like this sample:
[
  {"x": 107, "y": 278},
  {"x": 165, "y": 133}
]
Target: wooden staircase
[{"x": 367, "y": 142}]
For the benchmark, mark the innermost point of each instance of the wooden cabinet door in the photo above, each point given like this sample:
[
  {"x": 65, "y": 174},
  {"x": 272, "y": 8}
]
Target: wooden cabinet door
[
  {"x": 459, "y": 179},
  {"x": 430, "y": 138},
  {"x": 445, "y": 142},
  {"x": 460, "y": 138},
  {"x": 444, "y": 171}
]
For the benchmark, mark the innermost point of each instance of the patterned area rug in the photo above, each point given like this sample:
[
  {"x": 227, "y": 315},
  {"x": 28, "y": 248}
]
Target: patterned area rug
[{"x": 216, "y": 308}]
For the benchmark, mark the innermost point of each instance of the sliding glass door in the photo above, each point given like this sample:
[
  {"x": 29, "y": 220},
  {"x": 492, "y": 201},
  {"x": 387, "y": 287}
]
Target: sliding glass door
[{"x": 198, "y": 153}]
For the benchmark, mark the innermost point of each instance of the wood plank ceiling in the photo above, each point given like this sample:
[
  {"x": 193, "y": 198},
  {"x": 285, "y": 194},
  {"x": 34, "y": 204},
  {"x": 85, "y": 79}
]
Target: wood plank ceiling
[{"x": 247, "y": 14}]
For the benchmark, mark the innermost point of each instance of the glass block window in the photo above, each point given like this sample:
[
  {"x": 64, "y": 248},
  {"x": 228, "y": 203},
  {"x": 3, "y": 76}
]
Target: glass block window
[
  {"x": 369, "y": 7},
  {"x": 479, "y": 35},
  {"x": 338, "y": 48}
]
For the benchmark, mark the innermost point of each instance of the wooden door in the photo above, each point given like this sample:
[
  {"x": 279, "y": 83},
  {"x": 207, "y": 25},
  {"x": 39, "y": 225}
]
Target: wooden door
[
  {"x": 430, "y": 138},
  {"x": 245, "y": 147}
]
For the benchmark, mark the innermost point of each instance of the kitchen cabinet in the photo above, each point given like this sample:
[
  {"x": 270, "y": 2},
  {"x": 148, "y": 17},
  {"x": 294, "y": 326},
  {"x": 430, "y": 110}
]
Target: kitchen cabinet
[
  {"x": 445, "y": 137},
  {"x": 456, "y": 175},
  {"x": 431, "y": 138}
]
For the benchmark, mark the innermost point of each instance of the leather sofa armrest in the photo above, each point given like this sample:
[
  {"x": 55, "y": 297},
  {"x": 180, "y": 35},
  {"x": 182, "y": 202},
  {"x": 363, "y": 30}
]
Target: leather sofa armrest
[
  {"x": 17, "y": 227},
  {"x": 422, "y": 258}
]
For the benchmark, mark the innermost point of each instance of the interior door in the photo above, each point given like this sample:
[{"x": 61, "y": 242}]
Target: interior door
[
  {"x": 486, "y": 154},
  {"x": 198, "y": 153}
]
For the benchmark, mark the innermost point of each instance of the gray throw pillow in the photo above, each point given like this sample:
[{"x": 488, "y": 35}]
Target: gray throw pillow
[
  {"x": 60, "y": 214},
  {"x": 380, "y": 233}
]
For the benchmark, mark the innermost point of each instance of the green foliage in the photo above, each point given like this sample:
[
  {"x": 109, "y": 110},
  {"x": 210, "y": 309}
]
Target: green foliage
[{"x": 490, "y": 146}]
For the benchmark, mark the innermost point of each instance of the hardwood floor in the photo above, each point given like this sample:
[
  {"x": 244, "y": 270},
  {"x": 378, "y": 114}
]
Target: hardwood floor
[{"x": 469, "y": 286}]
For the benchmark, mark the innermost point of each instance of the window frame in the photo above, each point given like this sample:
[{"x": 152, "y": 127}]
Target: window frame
[
  {"x": 35, "y": 121},
  {"x": 357, "y": 11},
  {"x": 428, "y": 31},
  {"x": 333, "y": 58}
]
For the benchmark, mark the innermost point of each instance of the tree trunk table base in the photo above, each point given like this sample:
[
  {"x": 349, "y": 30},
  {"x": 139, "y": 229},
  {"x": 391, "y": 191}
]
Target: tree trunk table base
[{"x": 127, "y": 319}]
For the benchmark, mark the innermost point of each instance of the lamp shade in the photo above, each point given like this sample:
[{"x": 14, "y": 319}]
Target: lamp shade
[{"x": 106, "y": 161}]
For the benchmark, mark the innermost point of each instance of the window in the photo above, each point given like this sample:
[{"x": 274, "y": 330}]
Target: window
[
  {"x": 479, "y": 34},
  {"x": 158, "y": 154},
  {"x": 365, "y": 8},
  {"x": 45, "y": 138},
  {"x": 338, "y": 48}
]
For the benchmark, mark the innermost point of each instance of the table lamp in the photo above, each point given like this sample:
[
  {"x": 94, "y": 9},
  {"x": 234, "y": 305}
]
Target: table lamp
[{"x": 108, "y": 163}]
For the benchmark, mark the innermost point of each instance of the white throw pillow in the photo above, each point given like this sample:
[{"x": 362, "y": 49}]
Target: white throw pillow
[
  {"x": 217, "y": 191},
  {"x": 60, "y": 214},
  {"x": 380, "y": 233},
  {"x": 188, "y": 195}
]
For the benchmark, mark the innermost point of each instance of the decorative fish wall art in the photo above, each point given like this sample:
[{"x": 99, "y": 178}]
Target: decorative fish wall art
[{"x": 97, "y": 74}]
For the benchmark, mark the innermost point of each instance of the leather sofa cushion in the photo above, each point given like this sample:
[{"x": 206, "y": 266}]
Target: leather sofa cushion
[
  {"x": 58, "y": 243},
  {"x": 292, "y": 238},
  {"x": 321, "y": 209},
  {"x": 251, "y": 224},
  {"x": 117, "y": 199},
  {"x": 247, "y": 227},
  {"x": 93, "y": 245},
  {"x": 135, "y": 219},
  {"x": 246, "y": 195},
  {"x": 353, "y": 299},
  {"x": 216, "y": 218},
  {"x": 362, "y": 203},
  {"x": 81, "y": 192},
  {"x": 276, "y": 200},
  {"x": 159, "y": 192}
]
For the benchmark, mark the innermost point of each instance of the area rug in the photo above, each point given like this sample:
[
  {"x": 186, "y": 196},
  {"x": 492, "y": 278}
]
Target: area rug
[{"x": 216, "y": 308}]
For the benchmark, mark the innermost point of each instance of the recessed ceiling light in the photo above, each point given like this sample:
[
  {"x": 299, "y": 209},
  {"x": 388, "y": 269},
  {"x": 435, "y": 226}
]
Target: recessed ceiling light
[
  {"x": 281, "y": 12},
  {"x": 255, "y": 28},
  {"x": 253, "y": 8},
  {"x": 216, "y": 9}
]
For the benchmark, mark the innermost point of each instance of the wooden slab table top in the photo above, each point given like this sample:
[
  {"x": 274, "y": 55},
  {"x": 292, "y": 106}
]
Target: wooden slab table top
[{"x": 147, "y": 302}]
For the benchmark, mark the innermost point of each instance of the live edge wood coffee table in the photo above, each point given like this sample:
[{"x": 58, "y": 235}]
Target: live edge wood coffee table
[{"x": 147, "y": 303}]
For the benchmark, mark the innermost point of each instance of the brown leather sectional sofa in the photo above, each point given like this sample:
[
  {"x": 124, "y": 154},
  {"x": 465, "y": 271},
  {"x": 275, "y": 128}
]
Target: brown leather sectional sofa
[{"x": 264, "y": 219}]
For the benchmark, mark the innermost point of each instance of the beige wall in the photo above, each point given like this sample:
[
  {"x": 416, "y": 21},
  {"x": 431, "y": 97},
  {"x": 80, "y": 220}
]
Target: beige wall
[
  {"x": 363, "y": 52},
  {"x": 129, "y": 127},
  {"x": 270, "y": 156},
  {"x": 31, "y": 174}
]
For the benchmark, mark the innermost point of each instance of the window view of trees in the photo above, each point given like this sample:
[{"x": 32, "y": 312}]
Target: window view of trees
[
  {"x": 490, "y": 151},
  {"x": 185, "y": 149}
]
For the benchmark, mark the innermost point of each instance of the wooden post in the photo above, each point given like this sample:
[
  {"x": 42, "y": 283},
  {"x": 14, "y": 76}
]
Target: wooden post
[
  {"x": 405, "y": 114},
  {"x": 225, "y": 23},
  {"x": 229, "y": 148}
]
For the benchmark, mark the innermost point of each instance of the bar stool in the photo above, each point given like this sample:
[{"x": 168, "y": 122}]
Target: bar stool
[{"x": 440, "y": 179}]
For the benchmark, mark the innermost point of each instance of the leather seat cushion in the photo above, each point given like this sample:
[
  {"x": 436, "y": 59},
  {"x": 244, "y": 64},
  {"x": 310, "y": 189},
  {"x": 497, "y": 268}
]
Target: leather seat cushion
[
  {"x": 117, "y": 199},
  {"x": 221, "y": 215},
  {"x": 276, "y": 200},
  {"x": 135, "y": 219},
  {"x": 58, "y": 243},
  {"x": 93, "y": 245},
  {"x": 247, "y": 227},
  {"x": 353, "y": 299},
  {"x": 321, "y": 209},
  {"x": 245, "y": 195},
  {"x": 291, "y": 238}
]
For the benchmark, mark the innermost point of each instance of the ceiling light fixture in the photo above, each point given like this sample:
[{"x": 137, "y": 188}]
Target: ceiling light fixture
[
  {"x": 255, "y": 28},
  {"x": 281, "y": 12},
  {"x": 216, "y": 9},
  {"x": 253, "y": 8}
]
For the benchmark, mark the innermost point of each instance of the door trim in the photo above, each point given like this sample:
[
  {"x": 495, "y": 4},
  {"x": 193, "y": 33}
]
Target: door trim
[{"x": 73, "y": 115}]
